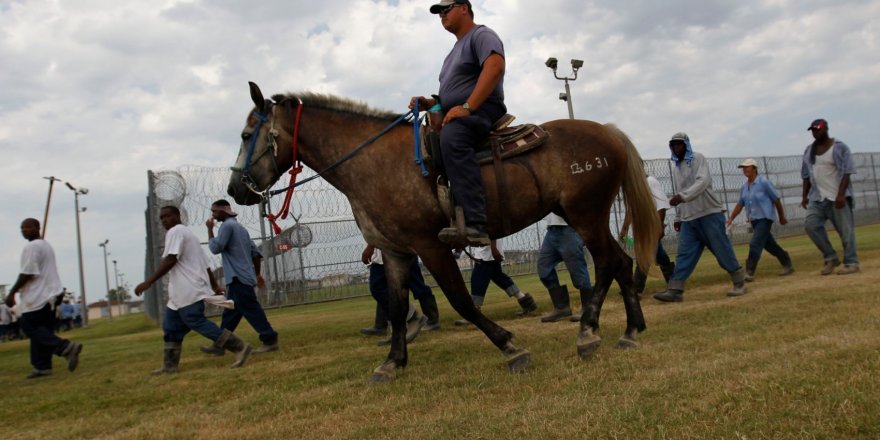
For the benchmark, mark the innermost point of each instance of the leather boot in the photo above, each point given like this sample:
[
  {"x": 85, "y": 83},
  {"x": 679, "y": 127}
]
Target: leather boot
[
  {"x": 527, "y": 305},
  {"x": 787, "y": 267},
  {"x": 71, "y": 352},
  {"x": 586, "y": 297},
  {"x": 171, "y": 359},
  {"x": 674, "y": 292},
  {"x": 751, "y": 267},
  {"x": 228, "y": 341},
  {"x": 380, "y": 326},
  {"x": 429, "y": 308},
  {"x": 561, "y": 304},
  {"x": 739, "y": 283}
]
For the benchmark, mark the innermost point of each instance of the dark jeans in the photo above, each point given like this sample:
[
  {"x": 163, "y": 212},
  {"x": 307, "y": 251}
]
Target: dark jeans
[
  {"x": 247, "y": 306},
  {"x": 698, "y": 234},
  {"x": 192, "y": 317},
  {"x": 39, "y": 326},
  {"x": 485, "y": 271},
  {"x": 379, "y": 285},
  {"x": 562, "y": 243},
  {"x": 458, "y": 142},
  {"x": 763, "y": 239}
]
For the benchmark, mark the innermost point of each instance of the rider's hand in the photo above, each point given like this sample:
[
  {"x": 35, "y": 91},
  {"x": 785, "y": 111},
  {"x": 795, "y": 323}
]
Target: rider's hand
[
  {"x": 676, "y": 200},
  {"x": 424, "y": 103},
  {"x": 455, "y": 113}
]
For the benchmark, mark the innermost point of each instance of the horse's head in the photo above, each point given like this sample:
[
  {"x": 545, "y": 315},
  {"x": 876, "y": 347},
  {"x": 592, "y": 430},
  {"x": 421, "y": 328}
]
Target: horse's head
[{"x": 261, "y": 158}]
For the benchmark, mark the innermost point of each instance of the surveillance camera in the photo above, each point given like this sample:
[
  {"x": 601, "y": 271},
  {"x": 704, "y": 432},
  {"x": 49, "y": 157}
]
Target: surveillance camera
[
  {"x": 563, "y": 97},
  {"x": 551, "y": 63},
  {"x": 577, "y": 64}
]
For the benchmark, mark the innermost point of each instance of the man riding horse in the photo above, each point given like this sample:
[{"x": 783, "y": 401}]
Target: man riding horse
[{"x": 472, "y": 97}]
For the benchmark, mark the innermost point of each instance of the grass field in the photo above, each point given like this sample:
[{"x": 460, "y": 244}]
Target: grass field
[{"x": 798, "y": 357}]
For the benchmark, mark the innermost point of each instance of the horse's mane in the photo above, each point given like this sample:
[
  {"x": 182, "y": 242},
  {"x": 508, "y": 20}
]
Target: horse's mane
[{"x": 345, "y": 105}]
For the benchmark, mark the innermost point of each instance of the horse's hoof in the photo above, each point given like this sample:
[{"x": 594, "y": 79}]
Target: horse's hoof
[
  {"x": 588, "y": 342},
  {"x": 627, "y": 342},
  {"x": 518, "y": 362},
  {"x": 387, "y": 372}
]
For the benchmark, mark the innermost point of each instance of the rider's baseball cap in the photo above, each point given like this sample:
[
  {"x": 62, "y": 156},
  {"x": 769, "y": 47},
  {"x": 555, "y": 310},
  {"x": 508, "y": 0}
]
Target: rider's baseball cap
[
  {"x": 435, "y": 9},
  {"x": 818, "y": 124}
]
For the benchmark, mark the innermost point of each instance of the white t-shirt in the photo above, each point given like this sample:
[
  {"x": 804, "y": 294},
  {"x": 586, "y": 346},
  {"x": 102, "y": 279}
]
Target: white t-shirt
[
  {"x": 660, "y": 200},
  {"x": 38, "y": 259},
  {"x": 484, "y": 253},
  {"x": 825, "y": 173},
  {"x": 188, "y": 281},
  {"x": 554, "y": 220}
]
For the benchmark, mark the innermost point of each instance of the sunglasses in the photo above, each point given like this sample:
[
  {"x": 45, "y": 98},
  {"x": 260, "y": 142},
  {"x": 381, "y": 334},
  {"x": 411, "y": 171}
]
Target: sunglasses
[{"x": 446, "y": 10}]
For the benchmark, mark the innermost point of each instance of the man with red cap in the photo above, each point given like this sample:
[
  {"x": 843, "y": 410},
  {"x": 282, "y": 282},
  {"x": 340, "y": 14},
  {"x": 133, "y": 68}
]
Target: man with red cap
[{"x": 828, "y": 195}]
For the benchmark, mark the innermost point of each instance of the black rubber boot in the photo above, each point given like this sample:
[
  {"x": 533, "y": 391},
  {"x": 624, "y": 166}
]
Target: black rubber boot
[
  {"x": 415, "y": 321},
  {"x": 527, "y": 305},
  {"x": 380, "y": 326},
  {"x": 228, "y": 341},
  {"x": 674, "y": 292},
  {"x": 561, "y": 304},
  {"x": 739, "y": 283},
  {"x": 586, "y": 297},
  {"x": 171, "y": 359},
  {"x": 429, "y": 308},
  {"x": 667, "y": 271},
  {"x": 787, "y": 267},
  {"x": 751, "y": 267}
]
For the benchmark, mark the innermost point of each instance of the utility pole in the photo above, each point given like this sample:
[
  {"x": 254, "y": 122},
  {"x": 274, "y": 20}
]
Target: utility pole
[
  {"x": 82, "y": 282},
  {"x": 107, "y": 278}
]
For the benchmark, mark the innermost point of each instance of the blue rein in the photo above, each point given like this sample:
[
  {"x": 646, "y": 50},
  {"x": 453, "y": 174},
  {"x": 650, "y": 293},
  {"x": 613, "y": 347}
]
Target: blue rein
[{"x": 418, "y": 151}]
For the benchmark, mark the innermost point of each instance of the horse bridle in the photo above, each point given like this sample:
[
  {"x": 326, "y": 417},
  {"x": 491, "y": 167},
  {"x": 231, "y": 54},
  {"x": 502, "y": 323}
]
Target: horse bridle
[{"x": 271, "y": 145}]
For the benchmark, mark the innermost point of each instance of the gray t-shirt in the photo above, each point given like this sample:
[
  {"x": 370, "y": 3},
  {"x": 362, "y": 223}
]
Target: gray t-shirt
[{"x": 463, "y": 65}]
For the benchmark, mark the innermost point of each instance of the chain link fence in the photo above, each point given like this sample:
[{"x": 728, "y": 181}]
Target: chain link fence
[{"x": 317, "y": 256}]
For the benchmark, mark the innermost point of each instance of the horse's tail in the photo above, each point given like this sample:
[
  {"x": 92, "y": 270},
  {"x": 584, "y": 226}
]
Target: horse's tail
[{"x": 639, "y": 204}]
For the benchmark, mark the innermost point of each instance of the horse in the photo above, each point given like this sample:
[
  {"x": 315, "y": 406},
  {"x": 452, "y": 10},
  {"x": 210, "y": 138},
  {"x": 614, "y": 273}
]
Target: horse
[{"x": 576, "y": 174}]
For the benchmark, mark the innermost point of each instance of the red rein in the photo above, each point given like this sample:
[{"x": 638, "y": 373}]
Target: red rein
[{"x": 295, "y": 169}]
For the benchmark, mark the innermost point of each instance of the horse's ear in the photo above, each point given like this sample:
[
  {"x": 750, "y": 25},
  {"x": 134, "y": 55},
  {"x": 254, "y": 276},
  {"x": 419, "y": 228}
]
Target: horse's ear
[{"x": 257, "y": 96}]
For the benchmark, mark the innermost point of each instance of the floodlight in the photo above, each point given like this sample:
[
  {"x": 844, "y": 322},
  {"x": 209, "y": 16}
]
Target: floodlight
[
  {"x": 551, "y": 63},
  {"x": 577, "y": 64}
]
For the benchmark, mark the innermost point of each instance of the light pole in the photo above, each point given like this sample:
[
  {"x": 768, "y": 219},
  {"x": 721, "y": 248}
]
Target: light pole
[
  {"x": 107, "y": 277},
  {"x": 552, "y": 63},
  {"x": 82, "y": 281},
  {"x": 116, "y": 278}
]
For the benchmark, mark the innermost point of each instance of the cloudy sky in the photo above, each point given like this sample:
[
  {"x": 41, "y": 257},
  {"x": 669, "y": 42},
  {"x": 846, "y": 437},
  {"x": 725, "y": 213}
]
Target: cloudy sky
[{"x": 96, "y": 92}]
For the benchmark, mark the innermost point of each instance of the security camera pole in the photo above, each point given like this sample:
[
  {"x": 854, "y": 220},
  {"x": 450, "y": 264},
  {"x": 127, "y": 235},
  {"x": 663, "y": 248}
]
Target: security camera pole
[
  {"x": 82, "y": 282},
  {"x": 552, "y": 63}
]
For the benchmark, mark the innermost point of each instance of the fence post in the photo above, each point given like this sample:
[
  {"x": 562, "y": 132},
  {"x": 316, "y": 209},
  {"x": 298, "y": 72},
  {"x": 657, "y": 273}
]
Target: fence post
[
  {"x": 876, "y": 189},
  {"x": 724, "y": 189}
]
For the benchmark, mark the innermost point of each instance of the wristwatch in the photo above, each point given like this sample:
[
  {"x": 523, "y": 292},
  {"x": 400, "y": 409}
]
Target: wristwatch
[{"x": 467, "y": 107}]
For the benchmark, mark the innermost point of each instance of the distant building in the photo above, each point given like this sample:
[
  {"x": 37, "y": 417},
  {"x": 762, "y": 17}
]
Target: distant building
[{"x": 98, "y": 310}]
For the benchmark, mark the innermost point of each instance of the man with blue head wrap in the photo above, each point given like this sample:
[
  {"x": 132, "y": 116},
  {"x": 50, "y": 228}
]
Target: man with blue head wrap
[{"x": 698, "y": 220}]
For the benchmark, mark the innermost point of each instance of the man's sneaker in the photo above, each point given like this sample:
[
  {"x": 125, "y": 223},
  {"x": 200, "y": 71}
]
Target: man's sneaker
[
  {"x": 266, "y": 348},
  {"x": 461, "y": 322},
  {"x": 738, "y": 290},
  {"x": 829, "y": 266},
  {"x": 212, "y": 350},
  {"x": 39, "y": 373},
  {"x": 848, "y": 269},
  {"x": 750, "y": 276},
  {"x": 72, "y": 354},
  {"x": 429, "y": 327}
]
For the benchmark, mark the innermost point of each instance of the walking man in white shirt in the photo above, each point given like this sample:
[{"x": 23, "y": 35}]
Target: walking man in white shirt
[
  {"x": 827, "y": 196},
  {"x": 39, "y": 289},
  {"x": 190, "y": 282}
]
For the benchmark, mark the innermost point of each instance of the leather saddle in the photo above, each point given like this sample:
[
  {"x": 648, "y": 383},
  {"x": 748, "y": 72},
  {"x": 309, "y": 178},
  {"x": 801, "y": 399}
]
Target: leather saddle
[{"x": 503, "y": 142}]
